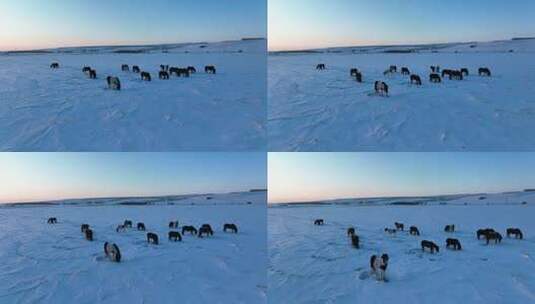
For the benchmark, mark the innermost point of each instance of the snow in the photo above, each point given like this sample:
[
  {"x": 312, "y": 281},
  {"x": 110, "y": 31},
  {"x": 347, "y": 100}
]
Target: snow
[
  {"x": 62, "y": 110},
  {"x": 55, "y": 264},
  {"x": 311, "y": 110},
  {"x": 316, "y": 264}
]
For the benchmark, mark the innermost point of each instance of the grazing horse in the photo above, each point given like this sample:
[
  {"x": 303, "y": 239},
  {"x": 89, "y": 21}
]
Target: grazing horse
[
  {"x": 112, "y": 252},
  {"x": 127, "y": 223},
  {"x": 350, "y": 231},
  {"x": 390, "y": 230},
  {"x": 173, "y": 224},
  {"x": 449, "y": 228},
  {"x": 320, "y": 66},
  {"x": 179, "y": 72},
  {"x": 54, "y": 65},
  {"x": 86, "y": 69},
  {"x": 136, "y": 69},
  {"x": 415, "y": 79},
  {"x": 353, "y": 72},
  {"x": 318, "y": 222},
  {"x": 120, "y": 228},
  {"x": 446, "y": 72},
  {"x": 175, "y": 236},
  {"x": 484, "y": 72},
  {"x": 393, "y": 69},
  {"x": 141, "y": 226},
  {"x": 465, "y": 72},
  {"x": 493, "y": 235},
  {"x": 163, "y": 75},
  {"x": 456, "y": 75},
  {"x": 379, "y": 265},
  {"x": 413, "y": 230},
  {"x": 84, "y": 227},
  {"x": 483, "y": 232},
  {"x": 231, "y": 227},
  {"x": 113, "y": 83},
  {"x": 399, "y": 226},
  {"x": 164, "y": 68},
  {"x": 358, "y": 77},
  {"x": 205, "y": 229},
  {"x": 145, "y": 76},
  {"x": 209, "y": 69},
  {"x": 92, "y": 74},
  {"x": 152, "y": 238},
  {"x": 434, "y": 78},
  {"x": 428, "y": 244},
  {"x": 52, "y": 220},
  {"x": 381, "y": 88},
  {"x": 125, "y": 68},
  {"x": 88, "y": 234},
  {"x": 190, "y": 229},
  {"x": 405, "y": 71},
  {"x": 453, "y": 242},
  {"x": 192, "y": 70},
  {"x": 516, "y": 232},
  {"x": 355, "y": 241}
]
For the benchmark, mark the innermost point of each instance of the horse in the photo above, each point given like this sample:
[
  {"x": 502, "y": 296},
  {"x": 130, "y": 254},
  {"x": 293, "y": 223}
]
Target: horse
[
  {"x": 179, "y": 72},
  {"x": 192, "y": 70},
  {"x": 113, "y": 83},
  {"x": 52, "y": 220},
  {"x": 381, "y": 88},
  {"x": 353, "y": 72},
  {"x": 190, "y": 229},
  {"x": 393, "y": 69},
  {"x": 390, "y": 230},
  {"x": 449, "y": 228},
  {"x": 413, "y": 230},
  {"x": 205, "y": 229},
  {"x": 493, "y": 235},
  {"x": 416, "y": 80},
  {"x": 358, "y": 77},
  {"x": 84, "y": 227},
  {"x": 175, "y": 236},
  {"x": 465, "y": 72},
  {"x": 456, "y": 75},
  {"x": 484, "y": 72},
  {"x": 379, "y": 265},
  {"x": 399, "y": 226},
  {"x": 88, "y": 234},
  {"x": 86, "y": 69},
  {"x": 140, "y": 226},
  {"x": 350, "y": 231},
  {"x": 145, "y": 76},
  {"x": 318, "y": 222},
  {"x": 152, "y": 238},
  {"x": 92, "y": 74},
  {"x": 125, "y": 68},
  {"x": 320, "y": 66},
  {"x": 163, "y": 75},
  {"x": 112, "y": 252},
  {"x": 428, "y": 244},
  {"x": 355, "y": 241},
  {"x": 434, "y": 78},
  {"x": 173, "y": 224},
  {"x": 446, "y": 72},
  {"x": 231, "y": 227},
  {"x": 483, "y": 232},
  {"x": 127, "y": 223},
  {"x": 54, "y": 65},
  {"x": 136, "y": 69},
  {"x": 516, "y": 232},
  {"x": 453, "y": 242},
  {"x": 120, "y": 228},
  {"x": 209, "y": 69},
  {"x": 405, "y": 71}
]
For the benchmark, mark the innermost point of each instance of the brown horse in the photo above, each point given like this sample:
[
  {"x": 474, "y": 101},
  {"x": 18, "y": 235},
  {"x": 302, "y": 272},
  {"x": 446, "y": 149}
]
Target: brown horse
[
  {"x": 175, "y": 236},
  {"x": 454, "y": 243},
  {"x": 205, "y": 229},
  {"x": 190, "y": 229},
  {"x": 428, "y": 244},
  {"x": 493, "y": 235},
  {"x": 483, "y": 232}
]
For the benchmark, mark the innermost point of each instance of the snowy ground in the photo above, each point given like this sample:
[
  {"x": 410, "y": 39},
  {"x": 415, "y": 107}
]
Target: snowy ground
[
  {"x": 43, "y": 263},
  {"x": 328, "y": 111},
  {"x": 62, "y": 110},
  {"x": 313, "y": 264}
]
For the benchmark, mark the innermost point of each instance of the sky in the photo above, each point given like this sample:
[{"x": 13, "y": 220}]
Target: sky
[
  {"x": 36, "y": 24},
  {"x": 306, "y": 24},
  {"x": 26, "y": 177},
  {"x": 298, "y": 177}
]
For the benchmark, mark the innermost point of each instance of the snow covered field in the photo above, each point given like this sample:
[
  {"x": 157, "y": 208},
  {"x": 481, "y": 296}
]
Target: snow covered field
[
  {"x": 62, "y": 110},
  {"x": 311, "y": 110},
  {"x": 316, "y": 264},
  {"x": 55, "y": 264}
]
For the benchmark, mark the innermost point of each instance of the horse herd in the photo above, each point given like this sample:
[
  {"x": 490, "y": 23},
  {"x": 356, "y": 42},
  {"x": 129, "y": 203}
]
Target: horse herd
[
  {"x": 436, "y": 76},
  {"x": 111, "y": 250},
  {"x": 114, "y": 83},
  {"x": 379, "y": 264}
]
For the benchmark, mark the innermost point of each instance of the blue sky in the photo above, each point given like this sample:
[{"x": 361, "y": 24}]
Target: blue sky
[
  {"x": 316, "y": 176},
  {"x": 29, "y": 24},
  {"x": 48, "y": 176},
  {"x": 302, "y": 24}
]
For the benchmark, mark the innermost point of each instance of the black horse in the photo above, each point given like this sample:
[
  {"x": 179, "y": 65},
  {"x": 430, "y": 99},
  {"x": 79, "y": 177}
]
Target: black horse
[
  {"x": 152, "y": 238},
  {"x": 163, "y": 75},
  {"x": 92, "y": 74},
  {"x": 205, "y": 229},
  {"x": 456, "y": 75},
  {"x": 483, "y": 232},
  {"x": 449, "y": 228},
  {"x": 355, "y": 241},
  {"x": 112, "y": 252},
  {"x": 125, "y": 68},
  {"x": 393, "y": 69},
  {"x": 209, "y": 69},
  {"x": 86, "y": 69},
  {"x": 145, "y": 76},
  {"x": 52, "y": 220},
  {"x": 190, "y": 229},
  {"x": 428, "y": 244},
  {"x": 405, "y": 71},
  {"x": 413, "y": 230},
  {"x": 175, "y": 236},
  {"x": 415, "y": 79},
  {"x": 136, "y": 69},
  {"x": 320, "y": 66},
  {"x": 434, "y": 78},
  {"x": 516, "y": 232},
  {"x": 231, "y": 227},
  {"x": 318, "y": 222},
  {"x": 84, "y": 227},
  {"x": 353, "y": 72},
  {"x": 446, "y": 72},
  {"x": 141, "y": 226},
  {"x": 127, "y": 224},
  {"x": 399, "y": 226},
  {"x": 88, "y": 234},
  {"x": 54, "y": 65},
  {"x": 493, "y": 235},
  {"x": 350, "y": 231},
  {"x": 454, "y": 243},
  {"x": 179, "y": 72},
  {"x": 484, "y": 72}
]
